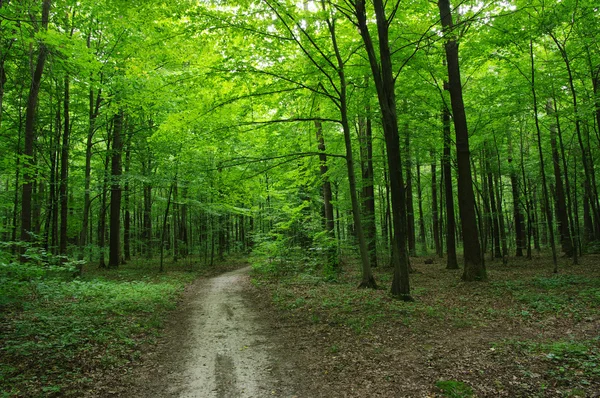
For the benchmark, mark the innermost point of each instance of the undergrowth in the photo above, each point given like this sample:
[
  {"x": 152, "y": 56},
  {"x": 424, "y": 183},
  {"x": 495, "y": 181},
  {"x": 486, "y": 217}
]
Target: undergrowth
[{"x": 61, "y": 332}]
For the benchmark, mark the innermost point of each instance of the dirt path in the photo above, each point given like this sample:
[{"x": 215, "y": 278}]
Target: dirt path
[{"x": 215, "y": 346}]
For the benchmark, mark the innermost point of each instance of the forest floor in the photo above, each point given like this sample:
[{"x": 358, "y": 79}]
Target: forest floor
[
  {"x": 292, "y": 332},
  {"x": 525, "y": 333}
]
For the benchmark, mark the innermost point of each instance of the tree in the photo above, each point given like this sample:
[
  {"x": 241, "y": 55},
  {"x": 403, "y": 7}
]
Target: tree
[{"x": 474, "y": 269}]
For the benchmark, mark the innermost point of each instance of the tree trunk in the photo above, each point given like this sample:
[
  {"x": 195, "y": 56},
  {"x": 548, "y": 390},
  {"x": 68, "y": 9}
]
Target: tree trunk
[
  {"x": 381, "y": 68},
  {"x": 368, "y": 192},
  {"x": 422, "y": 235},
  {"x": 571, "y": 213},
  {"x": 368, "y": 281},
  {"x": 434, "y": 208},
  {"x": 327, "y": 194},
  {"x": 474, "y": 269},
  {"x": 539, "y": 141},
  {"x": 30, "y": 117},
  {"x": 114, "y": 257},
  {"x": 94, "y": 109},
  {"x": 560, "y": 199},
  {"x": 127, "y": 221},
  {"x": 64, "y": 172},
  {"x": 410, "y": 210},
  {"x": 451, "y": 261}
]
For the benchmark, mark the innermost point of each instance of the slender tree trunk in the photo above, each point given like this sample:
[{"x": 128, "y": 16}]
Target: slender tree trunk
[
  {"x": 500, "y": 207},
  {"x": 474, "y": 268},
  {"x": 570, "y": 211},
  {"x": 560, "y": 199},
  {"x": 64, "y": 172},
  {"x": 451, "y": 261},
  {"x": 127, "y": 221},
  {"x": 368, "y": 281},
  {"x": 114, "y": 257},
  {"x": 94, "y": 109},
  {"x": 381, "y": 68},
  {"x": 30, "y": 117},
  {"x": 368, "y": 192},
  {"x": 434, "y": 208},
  {"x": 164, "y": 229},
  {"x": 103, "y": 204},
  {"x": 588, "y": 166},
  {"x": 410, "y": 210},
  {"x": 422, "y": 235},
  {"x": 539, "y": 140}
]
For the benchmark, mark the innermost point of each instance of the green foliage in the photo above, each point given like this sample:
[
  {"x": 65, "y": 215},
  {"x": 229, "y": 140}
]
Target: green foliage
[
  {"x": 454, "y": 389},
  {"x": 57, "y": 330}
]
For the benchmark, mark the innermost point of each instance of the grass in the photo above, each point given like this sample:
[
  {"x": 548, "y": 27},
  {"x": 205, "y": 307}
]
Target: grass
[
  {"x": 58, "y": 336},
  {"x": 525, "y": 321}
]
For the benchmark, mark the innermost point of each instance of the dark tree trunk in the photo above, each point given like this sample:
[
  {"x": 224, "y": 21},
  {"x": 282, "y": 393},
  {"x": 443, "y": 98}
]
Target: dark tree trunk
[
  {"x": 147, "y": 224},
  {"x": 368, "y": 192},
  {"x": 103, "y": 204},
  {"x": 500, "y": 207},
  {"x": 30, "y": 117},
  {"x": 494, "y": 210},
  {"x": 519, "y": 218},
  {"x": 559, "y": 197},
  {"x": 539, "y": 142},
  {"x": 422, "y": 235},
  {"x": 64, "y": 172},
  {"x": 571, "y": 213},
  {"x": 451, "y": 262},
  {"x": 94, "y": 109},
  {"x": 434, "y": 208},
  {"x": 474, "y": 268},
  {"x": 114, "y": 257},
  {"x": 410, "y": 210},
  {"x": 127, "y": 221},
  {"x": 586, "y": 158},
  {"x": 327, "y": 194},
  {"x": 381, "y": 68},
  {"x": 368, "y": 281}
]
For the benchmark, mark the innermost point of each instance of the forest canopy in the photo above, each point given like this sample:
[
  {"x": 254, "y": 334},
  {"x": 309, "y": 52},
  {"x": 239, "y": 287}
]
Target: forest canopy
[{"x": 299, "y": 131}]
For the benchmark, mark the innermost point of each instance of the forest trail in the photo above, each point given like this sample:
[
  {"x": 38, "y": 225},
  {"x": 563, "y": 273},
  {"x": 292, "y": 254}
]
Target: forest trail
[{"x": 215, "y": 347}]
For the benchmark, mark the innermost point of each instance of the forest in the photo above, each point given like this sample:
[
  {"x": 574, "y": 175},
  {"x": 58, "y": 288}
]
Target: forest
[{"x": 413, "y": 184}]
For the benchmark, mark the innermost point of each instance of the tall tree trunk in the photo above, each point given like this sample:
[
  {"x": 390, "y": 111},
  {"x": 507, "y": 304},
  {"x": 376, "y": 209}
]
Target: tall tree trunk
[
  {"x": 103, "y": 204},
  {"x": 127, "y": 190},
  {"x": 114, "y": 257},
  {"x": 570, "y": 211},
  {"x": 500, "y": 207},
  {"x": 368, "y": 281},
  {"x": 30, "y": 117},
  {"x": 474, "y": 268},
  {"x": 586, "y": 156},
  {"x": 327, "y": 194},
  {"x": 422, "y": 235},
  {"x": 539, "y": 141},
  {"x": 147, "y": 170},
  {"x": 64, "y": 172},
  {"x": 410, "y": 210},
  {"x": 434, "y": 208},
  {"x": 451, "y": 261},
  {"x": 560, "y": 199},
  {"x": 381, "y": 68},
  {"x": 494, "y": 210},
  {"x": 94, "y": 109},
  {"x": 368, "y": 193}
]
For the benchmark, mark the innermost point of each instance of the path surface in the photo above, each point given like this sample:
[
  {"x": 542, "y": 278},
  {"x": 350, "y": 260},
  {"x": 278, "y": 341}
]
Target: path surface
[{"x": 218, "y": 347}]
